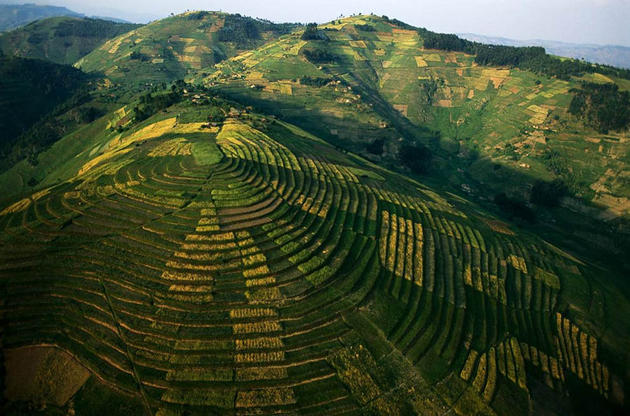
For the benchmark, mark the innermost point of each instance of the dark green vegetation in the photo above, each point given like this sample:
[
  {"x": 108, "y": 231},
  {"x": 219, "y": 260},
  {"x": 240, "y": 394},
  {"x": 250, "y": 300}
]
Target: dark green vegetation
[
  {"x": 614, "y": 55},
  {"x": 602, "y": 106},
  {"x": 31, "y": 89},
  {"x": 532, "y": 58},
  {"x": 16, "y": 15},
  {"x": 222, "y": 244},
  {"x": 63, "y": 40},
  {"x": 245, "y": 32}
]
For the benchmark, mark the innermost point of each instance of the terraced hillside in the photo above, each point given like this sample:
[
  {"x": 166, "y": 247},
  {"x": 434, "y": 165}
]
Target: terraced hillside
[
  {"x": 249, "y": 267},
  {"x": 170, "y": 48},
  {"x": 63, "y": 40},
  {"x": 367, "y": 79}
]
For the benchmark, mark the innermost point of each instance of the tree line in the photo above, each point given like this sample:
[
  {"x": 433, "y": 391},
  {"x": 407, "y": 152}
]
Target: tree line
[{"x": 532, "y": 58}]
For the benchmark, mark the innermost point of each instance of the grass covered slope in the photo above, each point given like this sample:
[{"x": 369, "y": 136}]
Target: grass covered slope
[
  {"x": 171, "y": 48},
  {"x": 247, "y": 266},
  {"x": 63, "y": 40},
  {"x": 367, "y": 79}
]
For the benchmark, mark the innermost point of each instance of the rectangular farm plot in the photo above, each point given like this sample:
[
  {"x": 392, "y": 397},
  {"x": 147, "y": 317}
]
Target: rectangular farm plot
[
  {"x": 402, "y": 108},
  {"x": 201, "y": 397},
  {"x": 497, "y": 76},
  {"x": 265, "y": 397},
  {"x": 432, "y": 57},
  {"x": 421, "y": 62},
  {"x": 539, "y": 114},
  {"x": 358, "y": 44},
  {"x": 257, "y": 327},
  {"x": 401, "y": 247},
  {"x": 200, "y": 374},
  {"x": 252, "y": 313},
  {"x": 261, "y": 373}
]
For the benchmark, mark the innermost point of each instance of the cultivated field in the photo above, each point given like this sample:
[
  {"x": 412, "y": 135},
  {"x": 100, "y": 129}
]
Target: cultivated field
[{"x": 256, "y": 269}]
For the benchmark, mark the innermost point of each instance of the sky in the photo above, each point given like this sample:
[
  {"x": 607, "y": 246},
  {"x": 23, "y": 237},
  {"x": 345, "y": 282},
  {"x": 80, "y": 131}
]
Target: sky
[{"x": 577, "y": 21}]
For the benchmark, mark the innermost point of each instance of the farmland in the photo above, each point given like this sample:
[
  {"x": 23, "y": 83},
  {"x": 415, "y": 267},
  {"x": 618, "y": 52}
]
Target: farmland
[
  {"x": 171, "y": 48},
  {"x": 239, "y": 231},
  {"x": 501, "y": 126},
  {"x": 254, "y": 268}
]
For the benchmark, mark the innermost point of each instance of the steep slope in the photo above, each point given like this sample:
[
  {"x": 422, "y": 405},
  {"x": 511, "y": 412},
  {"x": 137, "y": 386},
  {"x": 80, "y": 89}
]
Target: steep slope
[
  {"x": 63, "y": 40},
  {"x": 31, "y": 88},
  {"x": 248, "y": 267},
  {"x": 367, "y": 79},
  {"x": 171, "y": 48},
  {"x": 16, "y": 15}
]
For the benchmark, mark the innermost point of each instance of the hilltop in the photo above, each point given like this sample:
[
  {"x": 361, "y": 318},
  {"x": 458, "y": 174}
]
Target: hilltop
[
  {"x": 63, "y": 40},
  {"x": 171, "y": 48}
]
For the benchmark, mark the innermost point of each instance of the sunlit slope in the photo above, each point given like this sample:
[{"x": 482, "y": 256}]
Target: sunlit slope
[
  {"x": 171, "y": 48},
  {"x": 62, "y": 40},
  {"x": 511, "y": 117},
  {"x": 251, "y": 267}
]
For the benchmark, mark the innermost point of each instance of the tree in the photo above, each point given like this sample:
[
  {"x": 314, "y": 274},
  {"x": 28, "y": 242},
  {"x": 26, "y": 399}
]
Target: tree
[
  {"x": 514, "y": 207},
  {"x": 312, "y": 33},
  {"x": 416, "y": 158},
  {"x": 376, "y": 147},
  {"x": 216, "y": 114},
  {"x": 548, "y": 194}
]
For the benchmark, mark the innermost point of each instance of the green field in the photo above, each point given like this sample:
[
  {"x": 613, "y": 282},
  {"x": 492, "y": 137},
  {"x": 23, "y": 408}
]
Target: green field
[
  {"x": 233, "y": 244},
  {"x": 394, "y": 87},
  {"x": 254, "y": 268}
]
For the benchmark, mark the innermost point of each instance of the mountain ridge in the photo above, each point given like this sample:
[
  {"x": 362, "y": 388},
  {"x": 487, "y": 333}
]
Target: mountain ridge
[
  {"x": 16, "y": 15},
  {"x": 63, "y": 40}
]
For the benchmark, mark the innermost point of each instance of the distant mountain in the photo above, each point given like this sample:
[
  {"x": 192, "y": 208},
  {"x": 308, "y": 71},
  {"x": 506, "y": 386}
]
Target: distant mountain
[
  {"x": 111, "y": 19},
  {"x": 614, "y": 55},
  {"x": 16, "y": 15},
  {"x": 63, "y": 40}
]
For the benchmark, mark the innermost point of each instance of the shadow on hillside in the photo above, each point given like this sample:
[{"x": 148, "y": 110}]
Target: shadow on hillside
[{"x": 601, "y": 243}]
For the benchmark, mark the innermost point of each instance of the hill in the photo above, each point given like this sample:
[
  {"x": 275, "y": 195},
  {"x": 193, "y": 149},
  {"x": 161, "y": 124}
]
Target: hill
[
  {"x": 16, "y": 15},
  {"x": 63, "y": 40},
  {"x": 498, "y": 121},
  {"x": 242, "y": 265},
  {"x": 170, "y": 48},
  {"x": 614, "y": 55}
]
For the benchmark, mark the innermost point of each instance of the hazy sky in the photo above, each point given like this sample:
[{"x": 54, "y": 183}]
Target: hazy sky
[{"x": 581, "y": 21}]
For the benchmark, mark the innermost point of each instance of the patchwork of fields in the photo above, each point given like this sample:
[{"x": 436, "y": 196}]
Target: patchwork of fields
[{"x": 383, "y": 84}]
